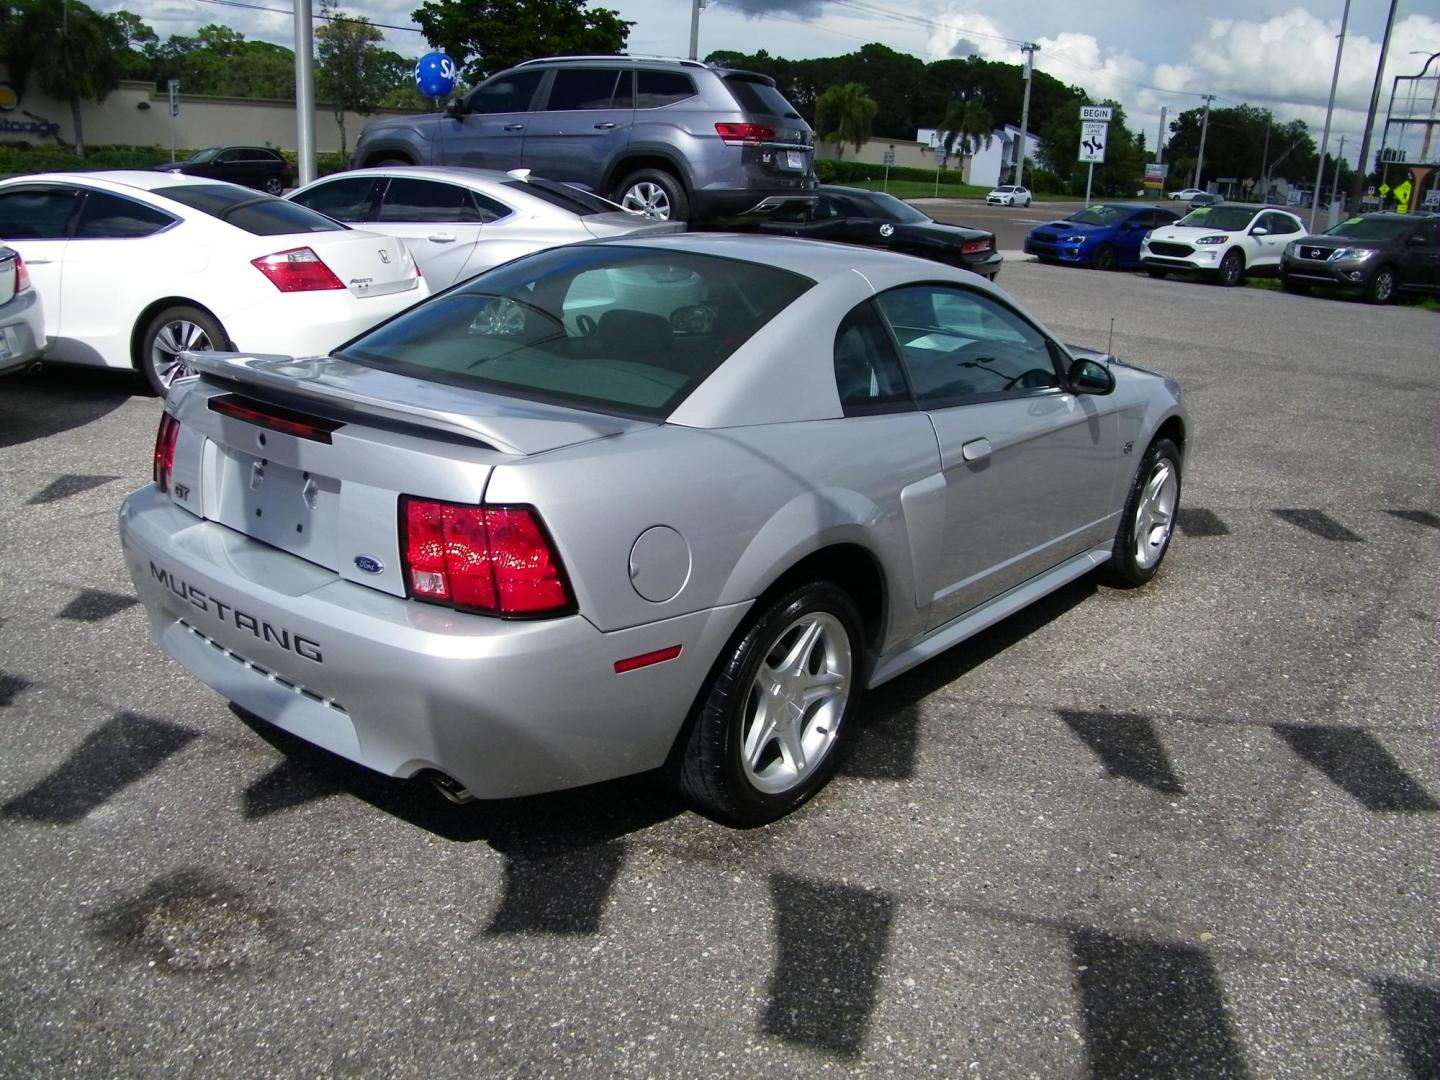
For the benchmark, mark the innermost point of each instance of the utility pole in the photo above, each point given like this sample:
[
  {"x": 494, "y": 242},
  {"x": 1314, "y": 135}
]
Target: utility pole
[
  {"x": 1329, "y": 112},
  {"x": 1029, "y": 49},
  {"x": 1335, "y": 184},
  {"x": 1358, "y": 184},
  {"x": 695, "y": 6},
  {"x": 1160, "y": 139},
  {"x": 304, "y": 92},
  {"x": 1265, "y": 161},
  {"x": 1204, "y": 125}
]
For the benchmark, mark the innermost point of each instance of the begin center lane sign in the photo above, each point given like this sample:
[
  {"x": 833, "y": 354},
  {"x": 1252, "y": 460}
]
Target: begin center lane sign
[{"x": 1102, "y": 113}]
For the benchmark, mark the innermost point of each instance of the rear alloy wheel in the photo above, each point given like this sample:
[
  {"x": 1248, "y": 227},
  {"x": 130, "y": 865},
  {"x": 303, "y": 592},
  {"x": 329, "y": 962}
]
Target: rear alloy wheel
[
  {"x": 656, "y": 194},
  {"x": 170, "y": 333},
  {"x": 1232, "y": 268},
  {"x": 770, "y": 727},
  {"x": 1382, "y": 286},
  {"x": 274, "y": 185},
  {"x": 1104, "y": 258},
  {"x": 1149, "y": 518}
]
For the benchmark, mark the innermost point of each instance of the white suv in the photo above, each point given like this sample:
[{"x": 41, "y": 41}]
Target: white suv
[{"x": 1225, "y": 240}]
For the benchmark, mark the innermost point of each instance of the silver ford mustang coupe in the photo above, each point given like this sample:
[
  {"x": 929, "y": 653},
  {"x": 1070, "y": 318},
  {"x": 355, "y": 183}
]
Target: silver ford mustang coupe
[{"x": 675, "y": 501}]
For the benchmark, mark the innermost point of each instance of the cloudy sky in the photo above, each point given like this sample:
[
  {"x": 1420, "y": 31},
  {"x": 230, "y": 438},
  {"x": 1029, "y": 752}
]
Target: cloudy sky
[{"x": 1277, "y": 54}]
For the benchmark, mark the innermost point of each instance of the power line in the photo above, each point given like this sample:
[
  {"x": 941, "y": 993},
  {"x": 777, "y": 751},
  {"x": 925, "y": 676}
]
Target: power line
[{"x": 291, "y": 13}]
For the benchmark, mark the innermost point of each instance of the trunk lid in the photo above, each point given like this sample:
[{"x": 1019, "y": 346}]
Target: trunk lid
[
  {"x": 624, "y": 223},
  {"x": 369, "y": 264}
]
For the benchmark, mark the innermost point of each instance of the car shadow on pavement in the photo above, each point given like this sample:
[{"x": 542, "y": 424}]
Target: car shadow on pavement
[{"x": 57, "y": 399}]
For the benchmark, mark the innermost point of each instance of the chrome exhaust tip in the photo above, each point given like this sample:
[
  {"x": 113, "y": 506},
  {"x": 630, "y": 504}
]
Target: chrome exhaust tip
[{"x": 451, "y": 788}]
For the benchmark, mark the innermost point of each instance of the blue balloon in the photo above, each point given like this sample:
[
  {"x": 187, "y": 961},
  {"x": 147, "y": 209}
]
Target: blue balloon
[{"x": 435, "y": 75}]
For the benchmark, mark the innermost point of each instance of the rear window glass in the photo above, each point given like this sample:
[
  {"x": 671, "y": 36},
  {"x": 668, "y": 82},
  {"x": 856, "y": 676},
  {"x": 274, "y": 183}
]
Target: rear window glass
[
  {"x": 756, "y": 96},
  {"x": 562, "y": 195},
  {"x": 609, "y": 328},
  {"x": 262, "y": 215},
  {"x": 656, "y": 88}
]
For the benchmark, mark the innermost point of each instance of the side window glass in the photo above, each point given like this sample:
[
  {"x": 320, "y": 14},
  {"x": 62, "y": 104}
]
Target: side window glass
[
  {"x": 960, "y": 346},
  {"x": 227, "y": 157},
  {"x": 36, "y": 213},
  {"x": 507, "y": 94},
  {"x": 347, "y": 199},
  {"x": 426, "y": 200},
  {"x": 110, "y": 217},
  {"x": 656, "y": 88},
  {"x": 867, "y": 371},
  {"x": 489, "y": 209},
  {"x": 582, "y": 88},
  {"x": 625, "y": 91}
]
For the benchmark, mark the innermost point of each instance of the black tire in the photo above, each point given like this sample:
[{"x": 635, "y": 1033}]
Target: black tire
[
  {"x": 171, "y": 330},
  {"x": 1156, "y": 272},
  {"x": 656, "y": 194},
  {"x": 1381, "y": 289},
  {"x": 715, "y": 772},
  {"x": 1289, "y": 284},
  {"x": 274, "y": 185},
  {"x": 1156, "y": 485},
  {"x": 1232, "y": 268},
  {"x": 1104, "y": 258}
]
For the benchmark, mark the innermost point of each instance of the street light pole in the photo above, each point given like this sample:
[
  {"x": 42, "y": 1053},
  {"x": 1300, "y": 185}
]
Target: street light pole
[
  {"x": 1358, "y": 184},
  {"x": 304, "y": 92},
  {"x": 1029, "y": 49},
  {"x": 695, "y": 6},
  {"x": 1204, "y": 126},
  {"x": 1329, "y": 112}
]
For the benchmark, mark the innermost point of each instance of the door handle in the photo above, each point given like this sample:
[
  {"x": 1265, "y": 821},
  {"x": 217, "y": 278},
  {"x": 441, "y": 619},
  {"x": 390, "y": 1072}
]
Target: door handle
[
  {"x": 514, "y": 127},
  {"x": 975, "y": 450},
  {"x": 38, "y": 262},
  {"x": 604, "y": 125},
  {"x": 441, "y": 238}
]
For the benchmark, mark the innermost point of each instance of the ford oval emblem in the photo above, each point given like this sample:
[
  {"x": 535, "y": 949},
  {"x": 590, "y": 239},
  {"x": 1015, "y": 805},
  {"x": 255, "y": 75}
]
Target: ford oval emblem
[{"x": 369, "y": 564}]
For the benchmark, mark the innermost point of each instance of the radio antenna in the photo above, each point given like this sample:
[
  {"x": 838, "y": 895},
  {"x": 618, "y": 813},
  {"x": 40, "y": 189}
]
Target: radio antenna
[{"x": 1110, "y": 345}]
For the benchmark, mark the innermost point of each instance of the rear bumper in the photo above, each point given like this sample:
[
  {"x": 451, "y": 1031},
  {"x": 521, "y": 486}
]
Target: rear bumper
[
  {"x": 22, "y": 333},
  {"x": 506, "y": 708}
]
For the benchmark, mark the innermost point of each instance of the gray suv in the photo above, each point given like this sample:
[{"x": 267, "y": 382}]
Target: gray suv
[{"x": 675, "y": 139}]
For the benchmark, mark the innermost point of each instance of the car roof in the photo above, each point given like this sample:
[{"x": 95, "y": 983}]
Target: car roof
[
  {"x": 136, "y": 179},
  {"x": 492, "y": 182}
]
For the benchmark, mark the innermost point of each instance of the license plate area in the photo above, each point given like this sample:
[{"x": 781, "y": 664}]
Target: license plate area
[
  {"x": 794, "y": 159},
  {"x": 287, "y": 508}
]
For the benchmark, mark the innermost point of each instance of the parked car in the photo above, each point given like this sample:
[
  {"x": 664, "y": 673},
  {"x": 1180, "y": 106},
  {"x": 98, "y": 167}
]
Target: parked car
[
  {"x": 625, "y": 503},
  {"x": 22, "y": 317},
  {"x": 139, "y": 267},
  {"x": 252, "y": 166},
  {"x": 677, "y": 140},
  {"x": 1186, "y": 194},
  {"x": 1009, "y": 195},
  {"x": 1205, "y": 199},
  {"x": 1106, "y": 236},
  {"x": 875, "y": 219},
  {"x": 1224, "y": 242},
  {"x": 1376, "y": 255},
  {"x": 458, "y": 222}
]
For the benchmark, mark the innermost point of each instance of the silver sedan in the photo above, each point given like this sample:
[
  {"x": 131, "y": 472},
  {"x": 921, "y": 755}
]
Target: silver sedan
[
  {"x": 458, "y": 222},
  {"x": 618, "y": 506}
]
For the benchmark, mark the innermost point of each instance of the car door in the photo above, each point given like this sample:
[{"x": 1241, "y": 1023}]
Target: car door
[
  {"x": 488, "y": 130},
  {"x": 35, "y": 221},
  {"x": 1280, "y": 230},
  {"x": 1029, "y": 467},
  {"x": 440, "y": 223},
  {"x": 584, "y": 124}
]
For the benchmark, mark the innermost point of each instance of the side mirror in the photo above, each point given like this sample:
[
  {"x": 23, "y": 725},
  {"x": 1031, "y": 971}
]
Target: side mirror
[
  {"x": 455, "y": 108},
  {"x": 1261, "y": 231},
  {"x": 1090, "y": 377}
]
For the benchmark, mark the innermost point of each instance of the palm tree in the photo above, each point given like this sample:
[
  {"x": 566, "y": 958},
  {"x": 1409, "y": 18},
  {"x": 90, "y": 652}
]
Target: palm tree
[
  {"x": 967, "y": 124},
  {"x": 845, "y": 114}
]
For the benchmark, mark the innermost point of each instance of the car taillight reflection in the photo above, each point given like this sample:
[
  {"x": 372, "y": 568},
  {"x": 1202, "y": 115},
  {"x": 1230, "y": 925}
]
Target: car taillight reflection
[
  {"x": 297, "y": 270},
  {"x": 497, "y": 560},
  {"x": 165, "y": 437}
]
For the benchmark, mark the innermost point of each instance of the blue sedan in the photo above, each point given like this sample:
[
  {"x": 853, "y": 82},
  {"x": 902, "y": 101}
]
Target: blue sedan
[{"x": 1106, "y": 236}]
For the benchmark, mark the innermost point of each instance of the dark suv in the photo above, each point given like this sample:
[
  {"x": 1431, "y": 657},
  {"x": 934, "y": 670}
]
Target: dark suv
[
  {"x": 1376, "y": 255},
  {"x": 675, "y": 139}
]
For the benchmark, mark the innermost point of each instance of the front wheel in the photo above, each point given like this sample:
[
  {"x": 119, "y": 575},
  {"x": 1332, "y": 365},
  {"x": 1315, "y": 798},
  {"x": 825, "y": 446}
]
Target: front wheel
[
  {"x": 1232, "y": 268},
  {"x": 780, "y": 705},
  {"x": 1382, "y": 286},
  {"x": 655, "y": 194},
  {"x": 171, "y": 332},
  {"x": 1105, "y": 258},
  {"x": 274, "y": 185},
  {"x": 1149, "y": 518}
]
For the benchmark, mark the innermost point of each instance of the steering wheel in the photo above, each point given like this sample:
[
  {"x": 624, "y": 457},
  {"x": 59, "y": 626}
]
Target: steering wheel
[{"x": 586, "y": 325}]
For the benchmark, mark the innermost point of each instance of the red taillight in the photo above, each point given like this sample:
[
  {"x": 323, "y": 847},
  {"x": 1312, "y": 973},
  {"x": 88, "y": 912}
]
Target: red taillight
[
  {"x": 297, "y": 270},
  {"x": 165, "y": 437},
  {"x": 314, "y": 428},
  {"x": 975, "y": 247},
  {"x": 22, "y": 275},
  {"x": 736, "y": 134},
  {"x": 493, "y": 559}
]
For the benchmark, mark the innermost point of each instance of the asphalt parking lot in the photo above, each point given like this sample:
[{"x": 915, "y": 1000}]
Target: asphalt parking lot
[{"x": 1186, "y": 831}]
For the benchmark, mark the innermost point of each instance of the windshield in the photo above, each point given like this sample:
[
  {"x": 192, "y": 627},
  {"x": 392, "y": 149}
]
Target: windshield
[
  {"x": 1224, "y": 218},
  {"x": 605, "y": 327},
  {"x": 889, "y": 208},
  {"x": 1100, "y": 215},
  {"x": 1006, "y": 187},
  {"x": 262, "y": 215},
  {"x": 1360, "y": 228},
  {"x": 202, "y": 156}
]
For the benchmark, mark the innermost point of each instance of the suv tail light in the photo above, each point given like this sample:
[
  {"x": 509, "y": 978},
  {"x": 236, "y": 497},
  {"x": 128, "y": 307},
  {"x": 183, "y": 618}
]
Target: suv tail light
[
  {"x": 297, "y": 270},
  {"x": 22, "y": 275},
  {"x": 165, "y": 437},
  {"x": 498, "y": 560},
  {"x": 741, "y": 134}
]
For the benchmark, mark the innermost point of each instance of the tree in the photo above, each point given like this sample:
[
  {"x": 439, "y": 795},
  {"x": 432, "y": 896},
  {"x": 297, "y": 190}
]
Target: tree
[
  {"x": 967, "y": 124},
  {"x": 141, "y": 44},
  {"x": 1123, "y": 169},
  {"x": 354, "y": 74},
  {"x": 72, "y": 52},
  {"x": 486, "y": 36},
  {"x": 845, "y": 114}
]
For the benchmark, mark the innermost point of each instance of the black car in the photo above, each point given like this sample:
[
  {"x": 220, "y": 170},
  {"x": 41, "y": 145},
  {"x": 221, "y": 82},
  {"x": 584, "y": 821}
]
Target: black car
[
  {"x": 254, "y": 166},
  {"x": 1375, "y": 255},
  {"x": 875, "y": 219}
]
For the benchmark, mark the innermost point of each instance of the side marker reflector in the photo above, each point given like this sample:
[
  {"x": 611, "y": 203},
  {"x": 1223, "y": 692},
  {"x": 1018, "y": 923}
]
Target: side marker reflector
[{"x": 659, "y": 656}]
